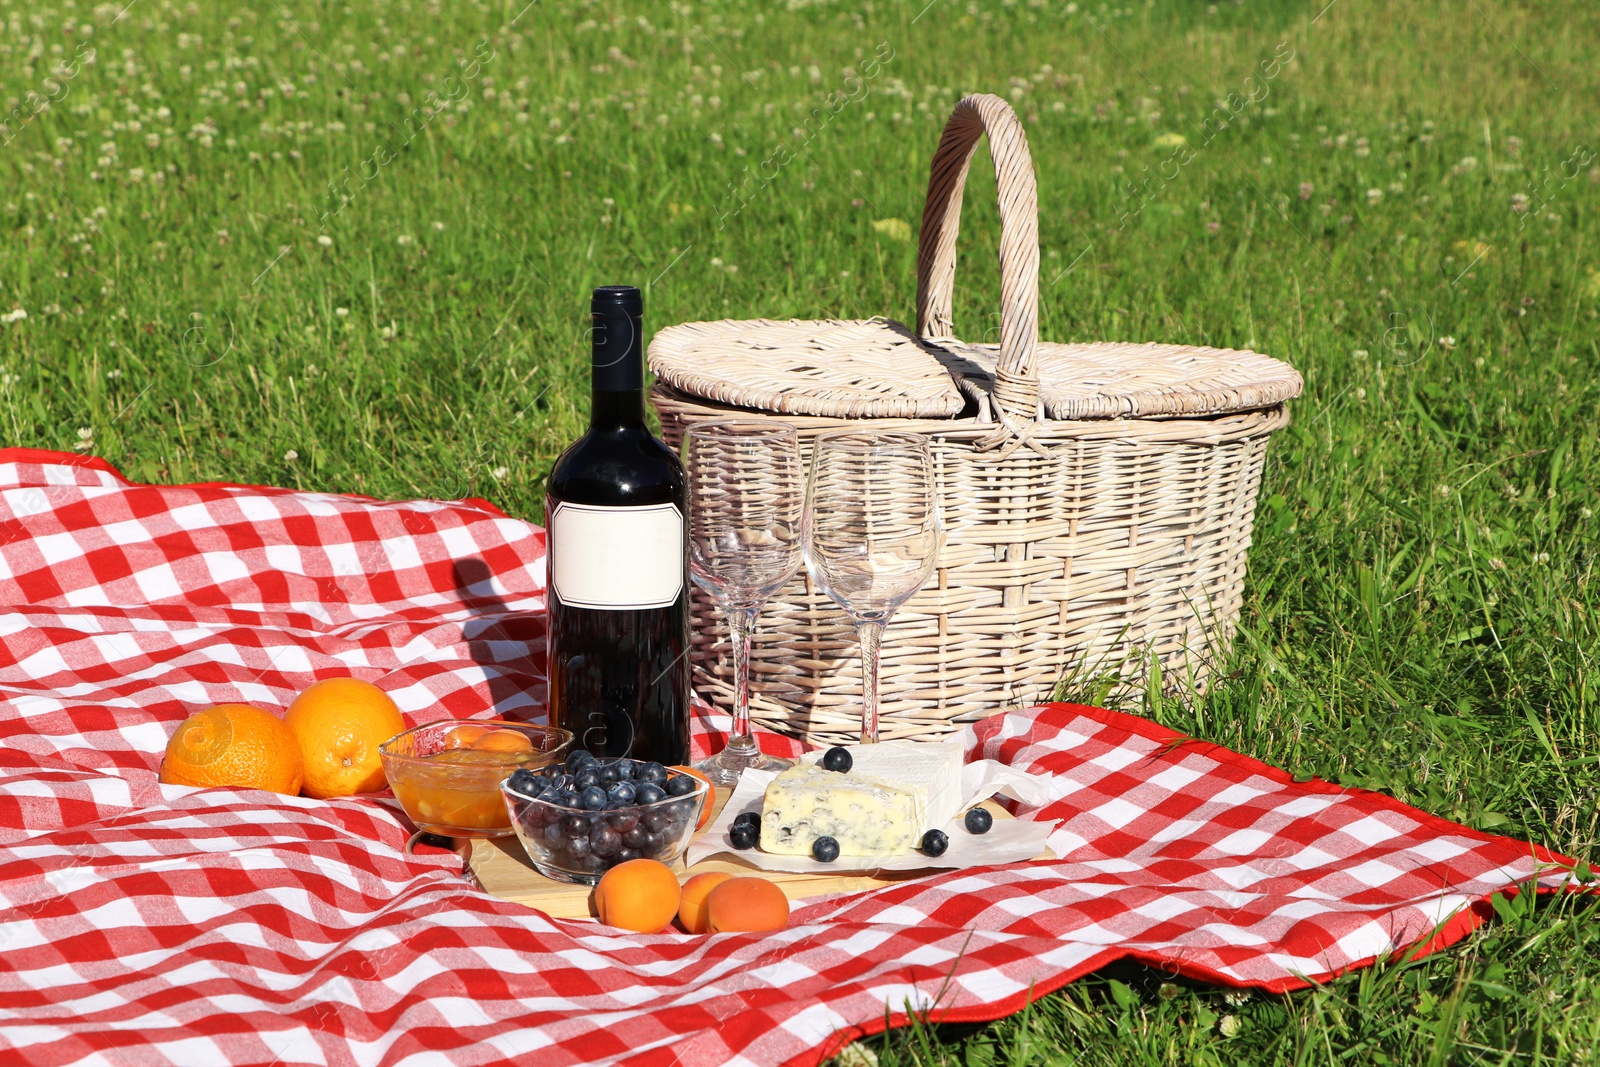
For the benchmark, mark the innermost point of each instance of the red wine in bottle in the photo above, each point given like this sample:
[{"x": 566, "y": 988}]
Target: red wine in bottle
[{"x": 618, "y": 562}]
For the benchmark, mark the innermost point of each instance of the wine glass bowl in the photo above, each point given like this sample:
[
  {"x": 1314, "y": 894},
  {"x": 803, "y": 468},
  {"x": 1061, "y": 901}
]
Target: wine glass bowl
[
  {"x": 871, "y": 534},
  {"x": 745, "y": 509}
]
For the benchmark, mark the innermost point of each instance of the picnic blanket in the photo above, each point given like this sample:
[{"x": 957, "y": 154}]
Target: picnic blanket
[{"x": 150, "y": 923}]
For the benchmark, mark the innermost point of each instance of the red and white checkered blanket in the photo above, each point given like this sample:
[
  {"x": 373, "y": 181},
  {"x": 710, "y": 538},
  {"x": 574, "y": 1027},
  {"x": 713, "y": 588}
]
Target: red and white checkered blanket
[{"x": 148, "y": 923}]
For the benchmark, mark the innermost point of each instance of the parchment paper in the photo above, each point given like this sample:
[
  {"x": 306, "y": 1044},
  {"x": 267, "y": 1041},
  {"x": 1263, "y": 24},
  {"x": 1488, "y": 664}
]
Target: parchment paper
[{"x": 1008, "y": 841}]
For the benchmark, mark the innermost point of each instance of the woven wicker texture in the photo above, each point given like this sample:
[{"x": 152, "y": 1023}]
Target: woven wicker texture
[
  {"x": 871, "y": 369},
  {"x": 1106, "y": 541},
  {"x": 1114, "y": 379}
]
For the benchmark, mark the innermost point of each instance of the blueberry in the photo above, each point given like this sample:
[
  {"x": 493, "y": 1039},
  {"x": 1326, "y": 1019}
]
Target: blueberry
[
  {"x": 575, "y": 825},
  {"x": 525, "y": 781},
  {"x": 837, "y": 759},
  {"x": 744, "y": 836},
  {"x": 652, "y": 844},
  {"x": 577, "y": 847},
  {"x": 594, "y": 798},
  {"x": 681, "y": 785},
  {"x": 657, "y": 821},
  {"x": 585, "y": 778},
  {"x": 826, "y": 849},
  {"x": 605, "y": 842},
  {"x": 979, "y": 820},
  {"x": 621, "y": 794},
  {"x": 608, "y": 773},
  {"x": 623, "y": 821},
  {"x": 934, "y": 842},
  {"x": 577, "y": 758},
  {"x": 751, "y": 817},
  {"x": 652, "y": 772},
  {"x": 568, "y": 798},
  {"x": 558, "y": 782},
  {"x": 628, "y": 854},
  {"x": 648, "y": 794},
  {"x": 627, "y": 769},
  {"x": 636, "y": 838},
  {"x": 553, "y": 834}
]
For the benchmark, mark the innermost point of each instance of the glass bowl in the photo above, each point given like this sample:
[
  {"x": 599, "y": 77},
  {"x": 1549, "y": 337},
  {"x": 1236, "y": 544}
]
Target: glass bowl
[
  {"x": 456, "y": 791},
  {"x": 578, "y": 845}
]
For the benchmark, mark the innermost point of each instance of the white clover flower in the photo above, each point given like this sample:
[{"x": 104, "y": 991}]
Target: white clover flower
[
  {"x": 341, "y": 312},
  {"x": 1447, "y": 342},
  {"x": 405, "y": 239},
  {"x": 499, "y": 473},
  {"x": 1229, "y": 1026},
  {"x": 1519, "y": 203},
  {"x": 290, "y": 456},
  {"x": 438, "y": 226},
  {"x": 1374, "y": 195},
  {"x": 14, "y": 315},
  {"x": 324, "y": 240}
]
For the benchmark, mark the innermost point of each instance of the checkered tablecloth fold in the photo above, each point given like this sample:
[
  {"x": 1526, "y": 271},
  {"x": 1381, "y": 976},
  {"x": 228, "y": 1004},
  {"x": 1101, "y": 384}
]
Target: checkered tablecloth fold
[{"x": 147, "y": 923}]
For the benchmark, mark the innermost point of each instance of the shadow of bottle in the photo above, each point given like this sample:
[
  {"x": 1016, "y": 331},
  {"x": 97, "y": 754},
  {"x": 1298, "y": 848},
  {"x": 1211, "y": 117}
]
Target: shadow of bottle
[{"x": 507, "y": 643}]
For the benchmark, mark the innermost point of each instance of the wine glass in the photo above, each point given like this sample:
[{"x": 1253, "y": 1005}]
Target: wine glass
[
  {"x": 871, "y": 534},
  {"x": 744, "y": 543}
]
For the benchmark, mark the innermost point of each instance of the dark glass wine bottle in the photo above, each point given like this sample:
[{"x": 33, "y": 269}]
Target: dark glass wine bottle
[{"x": 618, "y": 562}]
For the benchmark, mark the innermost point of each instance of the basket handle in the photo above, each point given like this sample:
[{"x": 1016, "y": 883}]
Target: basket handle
[{"x": 1016, "y": 384}]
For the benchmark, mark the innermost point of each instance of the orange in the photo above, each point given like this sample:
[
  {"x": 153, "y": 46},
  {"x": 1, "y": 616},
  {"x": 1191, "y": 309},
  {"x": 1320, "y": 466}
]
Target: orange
[
  {"x": 340, "y": 722},
  {"x": 692, "y": 906},
  {"x": 464, "y": 735},
  {"x": 503, "y": 741},
  {"x": 233, "y": 745},
  {"x": 639, "y": 895},
  {"x": 711, "y": 795}
]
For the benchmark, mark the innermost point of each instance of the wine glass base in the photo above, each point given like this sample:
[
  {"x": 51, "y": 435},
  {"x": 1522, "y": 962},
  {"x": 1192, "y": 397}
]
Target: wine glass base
[{"x": 726, "y": 766}]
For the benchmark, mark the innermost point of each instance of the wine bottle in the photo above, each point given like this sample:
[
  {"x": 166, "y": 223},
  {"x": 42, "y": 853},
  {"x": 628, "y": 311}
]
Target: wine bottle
[{"x": 618, "y": 562}]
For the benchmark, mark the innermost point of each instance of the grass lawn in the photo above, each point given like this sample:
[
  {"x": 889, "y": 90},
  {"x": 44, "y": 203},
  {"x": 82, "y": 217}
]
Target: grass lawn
[{"x": 347, "y": 246}]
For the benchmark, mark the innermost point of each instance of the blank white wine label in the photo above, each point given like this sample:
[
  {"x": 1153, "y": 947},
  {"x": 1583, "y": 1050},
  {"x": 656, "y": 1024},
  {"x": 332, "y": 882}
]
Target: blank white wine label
[{"x": 616, "y": 558}]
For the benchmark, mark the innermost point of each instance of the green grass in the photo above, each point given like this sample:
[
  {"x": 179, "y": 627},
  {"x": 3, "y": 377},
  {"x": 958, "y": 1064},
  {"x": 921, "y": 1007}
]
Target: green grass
[{"x": 1422, "y": 606}]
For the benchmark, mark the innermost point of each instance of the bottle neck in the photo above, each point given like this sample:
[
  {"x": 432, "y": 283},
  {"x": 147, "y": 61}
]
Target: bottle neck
[
  {"x": 612, "y": 409},
  {"x": 617, "y": 370}
]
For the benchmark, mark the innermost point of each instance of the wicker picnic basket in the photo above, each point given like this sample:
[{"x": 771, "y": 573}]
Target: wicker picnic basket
[{"x": 1097, "y": 498}]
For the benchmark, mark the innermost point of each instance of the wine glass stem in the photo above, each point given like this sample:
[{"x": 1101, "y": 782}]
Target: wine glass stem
[
  {"x": 871, "y": 635},
  {"x": 741, "y": 624}
]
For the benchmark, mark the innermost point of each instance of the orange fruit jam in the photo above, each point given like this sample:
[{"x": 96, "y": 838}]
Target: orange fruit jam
[{"x": 459, "y": 787}]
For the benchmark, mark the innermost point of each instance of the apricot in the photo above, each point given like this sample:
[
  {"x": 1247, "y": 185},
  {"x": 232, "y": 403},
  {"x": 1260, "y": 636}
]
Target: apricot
[
  {"x": 464, "y": 735},
  {"x": 503, "y": 741},
  {"x": 692, "y": 909},
  {"x": 711, "y": 795},
  {"x": 745, "y": 905},
  {"x": 639, "y": 895}
]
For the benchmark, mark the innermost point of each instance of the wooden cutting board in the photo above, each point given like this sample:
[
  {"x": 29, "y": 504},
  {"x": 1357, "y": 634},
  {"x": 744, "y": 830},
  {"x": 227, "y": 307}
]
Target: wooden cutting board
[{"x": 501, "y": 869}]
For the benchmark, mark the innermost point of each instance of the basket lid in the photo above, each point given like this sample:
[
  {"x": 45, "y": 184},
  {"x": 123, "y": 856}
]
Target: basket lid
[
  {"x": 877, "y": 368},
  {"x": 873, "y": 368},
  {"x": 1124, "y": 380}
]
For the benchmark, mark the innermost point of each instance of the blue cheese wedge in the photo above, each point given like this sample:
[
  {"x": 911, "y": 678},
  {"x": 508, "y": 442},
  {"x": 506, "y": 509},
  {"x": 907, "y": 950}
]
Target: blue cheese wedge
[
  {"x": 929, "y": 770},
  {"x": 867, "y": 818},
  {"x": 893, "y": 793}
]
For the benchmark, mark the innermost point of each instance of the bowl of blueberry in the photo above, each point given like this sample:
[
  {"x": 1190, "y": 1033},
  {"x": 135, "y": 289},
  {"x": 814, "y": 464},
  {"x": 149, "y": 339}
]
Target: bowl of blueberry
[{"x": 580, "y": 818}]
